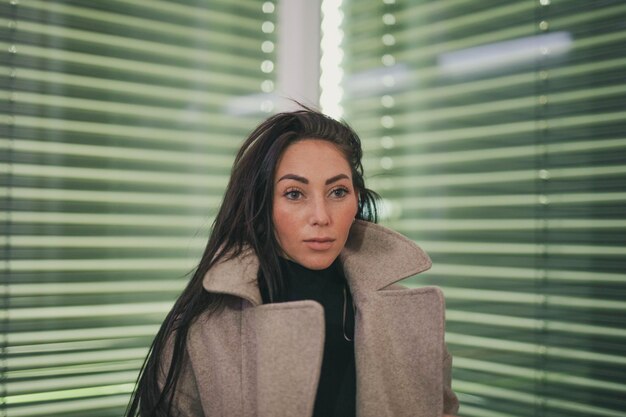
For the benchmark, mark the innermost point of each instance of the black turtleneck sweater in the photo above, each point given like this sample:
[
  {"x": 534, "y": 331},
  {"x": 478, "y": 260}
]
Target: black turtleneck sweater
[{"x": 336, "y": 393}]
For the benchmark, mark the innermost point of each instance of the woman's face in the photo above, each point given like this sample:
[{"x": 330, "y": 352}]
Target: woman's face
[{"x": 314, "y": 202}]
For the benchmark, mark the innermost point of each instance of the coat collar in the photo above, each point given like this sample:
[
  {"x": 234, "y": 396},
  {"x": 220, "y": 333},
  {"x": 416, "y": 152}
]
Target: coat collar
[{"x": 374, "y": 257}]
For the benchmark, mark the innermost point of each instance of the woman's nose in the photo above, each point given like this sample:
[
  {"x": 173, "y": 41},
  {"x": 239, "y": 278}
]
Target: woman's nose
[{"x": 319, "y": 213}]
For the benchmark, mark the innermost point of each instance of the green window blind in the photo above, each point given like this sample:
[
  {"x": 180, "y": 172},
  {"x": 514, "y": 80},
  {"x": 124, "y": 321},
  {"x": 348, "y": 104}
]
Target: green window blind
[
  {"x": 495, "y": 132},
  {"x": 119, "y": 123}
]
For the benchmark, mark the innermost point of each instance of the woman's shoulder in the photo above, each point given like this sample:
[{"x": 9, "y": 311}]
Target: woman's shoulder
[{"x": 225, "y": 311}]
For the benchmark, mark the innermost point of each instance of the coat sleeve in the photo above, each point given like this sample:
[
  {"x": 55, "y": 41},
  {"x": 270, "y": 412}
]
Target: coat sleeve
[
  {"x": 186, "y": 399},
  {"x": 450, "y": 400}
]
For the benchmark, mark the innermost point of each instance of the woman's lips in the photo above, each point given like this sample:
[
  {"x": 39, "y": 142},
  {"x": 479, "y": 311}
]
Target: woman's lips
[{"x": 319, "y": 244}]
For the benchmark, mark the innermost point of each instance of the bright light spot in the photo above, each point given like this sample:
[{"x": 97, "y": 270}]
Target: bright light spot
[
  {"x": 267, "y": 27},
  {"x": 387, "y": 142},
  {"x": 267, "y": 86},
  {"x": 387, "y": 122},
  {"x": 267, "y": 47},
  {"x": 268, "y": 7},
  {"x": 389, "y": 19},
  {"x": 387, "y": 101},
  {"x": 388, "y": 60},
  {"x": 267, "y": 106},
  {"x": 267, "y": 66},
  {"x": 388, "y": 39},
  {"x": 386, "y": 162}
]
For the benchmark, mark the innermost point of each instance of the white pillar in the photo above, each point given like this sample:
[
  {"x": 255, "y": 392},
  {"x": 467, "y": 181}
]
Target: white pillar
[{"x": 298, "y": 53}]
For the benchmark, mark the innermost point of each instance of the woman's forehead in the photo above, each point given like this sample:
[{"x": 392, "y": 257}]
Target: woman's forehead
[{"x": 313, "y": 157}]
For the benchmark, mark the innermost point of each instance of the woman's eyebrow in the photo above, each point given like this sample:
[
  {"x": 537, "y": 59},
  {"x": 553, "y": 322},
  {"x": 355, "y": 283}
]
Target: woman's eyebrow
[
  {"x": 293, "y": 177},
  {"x": 336, "y": 178},
  {"x": 306, "y": 181}
]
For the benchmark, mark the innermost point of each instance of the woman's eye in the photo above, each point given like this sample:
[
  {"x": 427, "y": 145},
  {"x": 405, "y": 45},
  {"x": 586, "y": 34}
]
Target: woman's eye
[
  {"x": 339, "y": 192},
  {"x": 293, "y": 194}
]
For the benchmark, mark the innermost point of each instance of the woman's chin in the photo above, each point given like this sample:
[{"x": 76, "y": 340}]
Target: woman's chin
[{"x": 316, "y": 262}]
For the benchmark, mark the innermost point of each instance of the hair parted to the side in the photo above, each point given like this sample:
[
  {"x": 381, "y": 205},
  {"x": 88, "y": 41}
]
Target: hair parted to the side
[{"x": 243, "y": 221}]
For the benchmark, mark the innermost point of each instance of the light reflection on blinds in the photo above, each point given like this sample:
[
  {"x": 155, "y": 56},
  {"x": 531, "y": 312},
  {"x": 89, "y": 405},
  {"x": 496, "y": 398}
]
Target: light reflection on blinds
[
  {"x": 119, "y": 123},
  {"x": 495, "y": 133}
]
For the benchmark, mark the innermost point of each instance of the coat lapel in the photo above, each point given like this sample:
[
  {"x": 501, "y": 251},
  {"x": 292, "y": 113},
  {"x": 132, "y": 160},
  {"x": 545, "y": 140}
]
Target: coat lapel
[
  {"x": 283, "y": 346},
  {"x": 399, "y": 335},
  {"x": 399, "y": 342},
  {"x": 375, "y": 257}
]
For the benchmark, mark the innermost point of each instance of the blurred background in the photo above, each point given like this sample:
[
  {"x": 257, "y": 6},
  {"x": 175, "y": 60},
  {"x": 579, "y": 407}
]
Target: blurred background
[{"x": 494, "y": 130}]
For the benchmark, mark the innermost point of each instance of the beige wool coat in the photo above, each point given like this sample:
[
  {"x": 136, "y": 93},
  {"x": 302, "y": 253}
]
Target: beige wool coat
[{"x": 255, "y": 360}]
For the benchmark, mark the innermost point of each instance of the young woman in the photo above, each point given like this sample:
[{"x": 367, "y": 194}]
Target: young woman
[{"x": 293, "y": 310}]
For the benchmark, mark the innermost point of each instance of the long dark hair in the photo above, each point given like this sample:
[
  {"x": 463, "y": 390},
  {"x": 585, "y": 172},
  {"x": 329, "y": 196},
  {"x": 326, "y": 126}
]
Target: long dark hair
[{"x": 244, "y": 220}]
